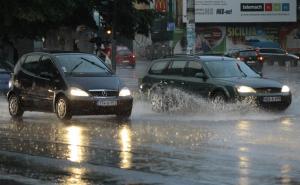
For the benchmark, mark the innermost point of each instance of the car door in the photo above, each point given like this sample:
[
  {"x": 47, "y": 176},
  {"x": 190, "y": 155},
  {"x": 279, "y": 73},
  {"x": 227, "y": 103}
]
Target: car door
[
  {"x": 175, "y": 74},
  {"x": 157, "y": 75},
  {"x": 195, "y": 79},
  {"x": 26, "y": 80},
  {"x": 46, "y": 83}
]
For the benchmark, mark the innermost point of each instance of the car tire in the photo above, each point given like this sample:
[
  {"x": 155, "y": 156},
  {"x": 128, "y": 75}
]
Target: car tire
[
  {"x": 124, "y": 114},
  {"x": 15, "y": 107},
  {"x": 219, "y": 98},
  {"x": 294, "y": 63},
  {"x": 133, "y": 66},
  {"x": 62, "y": 108}
]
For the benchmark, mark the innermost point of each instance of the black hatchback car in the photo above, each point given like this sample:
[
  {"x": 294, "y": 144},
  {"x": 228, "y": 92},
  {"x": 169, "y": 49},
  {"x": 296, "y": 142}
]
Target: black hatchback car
[
  {"x": 252, "y": 58},
  {"x": 67, "y": 84},
  {"x": 213, "y": 77}
]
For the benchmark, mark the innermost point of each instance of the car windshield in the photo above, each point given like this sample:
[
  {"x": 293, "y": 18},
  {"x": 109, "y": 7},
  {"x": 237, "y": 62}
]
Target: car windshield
[
  {"x": 82, "y": 64},
  {"x": 229, "y": 69},
  {"x": 124, "y": 52}
]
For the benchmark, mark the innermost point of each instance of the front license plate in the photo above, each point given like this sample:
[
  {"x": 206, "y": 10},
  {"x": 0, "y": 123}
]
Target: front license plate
[
  {"x": 272, "y": 99},
  {"x": 104, "y": 103},
  {"x": 250, "y": 62}
]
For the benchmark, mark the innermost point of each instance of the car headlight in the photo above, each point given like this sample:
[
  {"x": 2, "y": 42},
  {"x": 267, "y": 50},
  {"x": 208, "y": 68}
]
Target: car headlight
[
  {"x": 124, "y": 92},
  {"x": 9, "y": 84},
  {"x": 245, "y": 89},
  {"x": 285, "y": 89},
  {"x": 78, "y": 92}
]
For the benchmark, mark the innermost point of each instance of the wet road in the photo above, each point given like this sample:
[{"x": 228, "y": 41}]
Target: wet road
[{"x": 239, "y": 145}]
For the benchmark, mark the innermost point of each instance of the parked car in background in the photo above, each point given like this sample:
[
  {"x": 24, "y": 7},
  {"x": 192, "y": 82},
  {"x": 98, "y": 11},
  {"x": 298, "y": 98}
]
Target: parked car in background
[
  {"x": 125, "y": 57},
  {"x": 4, "y": 79},
  {"x": 219, "y": 79},
  {"x": 281, "y": 56},
  {"x": 67, "y": 84},
  {"x": 252, "y": 58}
]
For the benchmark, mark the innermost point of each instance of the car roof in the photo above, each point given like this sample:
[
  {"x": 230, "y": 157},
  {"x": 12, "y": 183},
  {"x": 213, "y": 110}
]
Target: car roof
[
  {"x": 56, "y": 52},
  {"x": 197, "y": 57}
]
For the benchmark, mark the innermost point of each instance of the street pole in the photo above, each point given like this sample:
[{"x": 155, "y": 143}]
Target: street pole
[{"x": 190, "y": 27}]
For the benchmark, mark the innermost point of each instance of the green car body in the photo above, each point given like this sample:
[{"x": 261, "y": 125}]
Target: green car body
[{"x": 215, "y": 76}]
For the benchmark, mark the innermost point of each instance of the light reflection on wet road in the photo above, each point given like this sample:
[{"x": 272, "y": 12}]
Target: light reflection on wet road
[{"x": 188, "y": 148}]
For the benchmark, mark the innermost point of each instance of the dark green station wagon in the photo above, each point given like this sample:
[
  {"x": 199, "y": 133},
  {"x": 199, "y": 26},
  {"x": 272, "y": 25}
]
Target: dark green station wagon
[{"x": 216, "y": 78}]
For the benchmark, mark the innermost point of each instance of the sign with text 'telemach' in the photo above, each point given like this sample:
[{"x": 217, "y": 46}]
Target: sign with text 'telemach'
[{"x": 245, "y": 11}]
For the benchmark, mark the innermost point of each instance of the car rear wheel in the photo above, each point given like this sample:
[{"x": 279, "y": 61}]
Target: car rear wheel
[
  {"x": 15, "y": 107},
  {"x": 62, "y": 109}
]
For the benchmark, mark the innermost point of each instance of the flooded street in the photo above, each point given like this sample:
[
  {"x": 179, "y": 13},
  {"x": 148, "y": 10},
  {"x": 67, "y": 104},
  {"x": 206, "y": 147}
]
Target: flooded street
[{"x": 239, "y": 145}]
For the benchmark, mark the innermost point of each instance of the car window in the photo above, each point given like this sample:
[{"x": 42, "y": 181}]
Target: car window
[
  {"x": 276, "y": 51},
  {"x": 124, "y": 52},
  {"x": 47, "y": 65},
  {"x": 158, "y": 67},
  {"x": 31, "y": 64},
  {"x": 193, "y": 68},
  {"x": 247, "y": 53},
  {"x": 177, "y": 67},
  {"x": 229, "y": 69},
  {"x": 81, "y": 64}
]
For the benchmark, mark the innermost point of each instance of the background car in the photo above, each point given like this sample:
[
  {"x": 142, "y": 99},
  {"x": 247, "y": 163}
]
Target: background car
[
  {"x": 216, "y": 78},
  {"x": 67, "y": 84},
  {"x": 125, "y": 57},
  {"x": 281, "y": 56},
  {"x": 4, "y": 79},
  {"x": 252, "y": 58}
]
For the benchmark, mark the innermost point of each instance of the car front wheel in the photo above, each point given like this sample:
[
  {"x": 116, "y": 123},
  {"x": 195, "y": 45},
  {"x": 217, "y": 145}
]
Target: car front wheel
[
  {"x": 15, "y": 107},
  {"x": 62, "y": 108}
]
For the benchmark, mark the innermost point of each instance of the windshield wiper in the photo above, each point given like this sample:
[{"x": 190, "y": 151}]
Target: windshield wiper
[
  {"x": 239, "y": 67},
  {"x": 75, "y": 67},
  {"x": 93, "y": 63}
]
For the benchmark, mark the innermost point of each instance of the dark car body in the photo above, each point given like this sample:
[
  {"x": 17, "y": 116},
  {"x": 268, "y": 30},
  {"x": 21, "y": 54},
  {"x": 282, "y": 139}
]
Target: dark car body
[
  {"x": 4, "y": 80},
  {"x": 214, "y": 77},
  {"x": 272, "y": 55},
  {"x": 252, "y": 58},
  {"x": 78, "y": 83}
]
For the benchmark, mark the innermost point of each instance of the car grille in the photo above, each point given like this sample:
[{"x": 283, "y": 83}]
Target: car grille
[
  {"x": 103, "y": 93},
  {"x": 268, "y": 90}
]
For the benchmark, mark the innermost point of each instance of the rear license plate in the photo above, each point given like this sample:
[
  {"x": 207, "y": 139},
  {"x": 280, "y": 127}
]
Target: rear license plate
[
  {"x": 104, "y": 103},
  {"x": 272, "y": 99},
  {"x": 251, "y": 62},
  {"x": 125, "y": 61}
]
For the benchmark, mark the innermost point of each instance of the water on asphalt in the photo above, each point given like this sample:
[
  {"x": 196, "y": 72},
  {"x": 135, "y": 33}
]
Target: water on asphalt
[{"x": 236, "y": 144}]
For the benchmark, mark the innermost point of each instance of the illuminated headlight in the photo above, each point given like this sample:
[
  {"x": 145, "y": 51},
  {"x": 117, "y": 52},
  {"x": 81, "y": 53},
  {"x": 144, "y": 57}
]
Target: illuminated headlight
[
  {"x": 78, "y": 92},
  {"x": 9, "y": 84},
  {"x": 124, "y": 92},
  {"x": 285, "y": 89},
  {"x": 245, "y": 89}
]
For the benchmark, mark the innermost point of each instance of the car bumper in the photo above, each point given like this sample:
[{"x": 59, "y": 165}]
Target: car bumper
[
  {"x": 92, "y": 106},
  {"x": 269, "y": 101}
]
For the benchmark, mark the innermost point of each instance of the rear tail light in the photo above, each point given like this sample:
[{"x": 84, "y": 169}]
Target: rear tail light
[
  {"x": 260, "y": 58},
  {"x": 133, "y": 56}
]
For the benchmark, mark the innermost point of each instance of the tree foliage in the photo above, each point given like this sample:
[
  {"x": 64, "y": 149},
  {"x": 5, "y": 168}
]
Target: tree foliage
[{"x": 31, "y": 18}]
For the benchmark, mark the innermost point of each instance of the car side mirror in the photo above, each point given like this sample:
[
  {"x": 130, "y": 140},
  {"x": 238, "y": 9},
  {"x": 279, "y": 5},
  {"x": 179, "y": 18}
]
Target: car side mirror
[
  {"x": 201, "y": 75},
  {"x": 46, "y": 75}
]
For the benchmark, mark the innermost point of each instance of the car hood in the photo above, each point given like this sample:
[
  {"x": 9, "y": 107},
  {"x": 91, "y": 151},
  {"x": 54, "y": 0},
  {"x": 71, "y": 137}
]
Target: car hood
[
  {"x": 251, "y": 82},
  {"x": 89, "y": 83}
]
